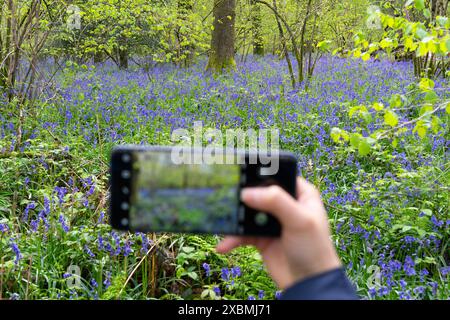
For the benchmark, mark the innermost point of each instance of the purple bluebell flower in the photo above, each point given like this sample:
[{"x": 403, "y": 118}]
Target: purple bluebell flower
[
  {"x": 3, "y": 228},
  {"x": 127, "y": 248},
  {"x": 236, "y": 272},
  {"x": 16, "y": 250},
  {"x": 278, "y": 295},
  {"x": 107, "y": 281},
  {"x": 88, "y": 251},
  {"x": 64, "y": 226},
  {"x": 216, "y": 291},
  {"x": 261, "y": 294},
  {"x": 29, "y": 207},
  {"x": 207, "y": 269},
  {"x": 408, "y": 266},
  {"x": 94, "y": 283},
  {"x": 225, "y": 274},
  {"x": 445, "y": 271}
]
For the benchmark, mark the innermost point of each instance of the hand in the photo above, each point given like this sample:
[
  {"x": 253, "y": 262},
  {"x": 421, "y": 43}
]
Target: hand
[{"x": 304, "y": 248}]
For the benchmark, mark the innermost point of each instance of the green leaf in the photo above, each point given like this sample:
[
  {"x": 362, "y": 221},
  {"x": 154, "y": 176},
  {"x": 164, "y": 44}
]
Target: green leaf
[
  {"x": 365, "y": 57},
  {"x": 447, "y": 108},
  {"x": 425, "y": 109},
  {"x": 378, "y": 106},
  {"x": 364, "y": 147},
  {"x": 335, "y": 134},
  {"x": 354, "y": 140},
  {"x": 390, "y": 118},
  {"x": 426, "y": 84},
  {"x": 386, "y": 43},
  {"x": 204, "y": 294},
  {"x": 395, "y": 101},
  {"x": 420, "y": 4},
  {"x": 395, "y": 143},
  {"x": 431, "y": 97}
]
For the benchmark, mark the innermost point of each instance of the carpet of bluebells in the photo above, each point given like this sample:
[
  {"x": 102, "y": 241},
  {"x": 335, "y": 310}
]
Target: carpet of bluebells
[{"x": 389, "y": 210}]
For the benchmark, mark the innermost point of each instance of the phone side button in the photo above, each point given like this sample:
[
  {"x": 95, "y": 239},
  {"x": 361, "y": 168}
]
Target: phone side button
[{"x": 241, "y": 214}]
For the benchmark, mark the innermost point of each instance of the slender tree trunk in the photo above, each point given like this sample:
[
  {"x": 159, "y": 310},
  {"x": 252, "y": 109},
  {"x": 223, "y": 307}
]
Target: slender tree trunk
[
  {"x": 223, "y": 36},
  {"x": 123, "y": 58},
  {"x": 284, "y": 47},
  {"x": 185, "y": 51},
  {"x": 258, "y": 42}
]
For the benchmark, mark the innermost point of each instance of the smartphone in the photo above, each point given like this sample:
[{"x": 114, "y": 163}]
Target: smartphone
[{"x": 194, "y": 190}]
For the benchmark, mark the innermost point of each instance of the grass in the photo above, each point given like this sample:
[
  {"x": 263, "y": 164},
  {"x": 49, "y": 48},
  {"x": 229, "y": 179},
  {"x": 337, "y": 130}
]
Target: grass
[{"x": 388, "y": 210}]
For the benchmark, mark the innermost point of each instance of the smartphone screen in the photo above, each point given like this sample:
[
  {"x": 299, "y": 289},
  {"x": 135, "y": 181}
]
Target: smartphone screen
[
  {"x": 169, "y": 197},
  {"x": 155, "y": 190}
]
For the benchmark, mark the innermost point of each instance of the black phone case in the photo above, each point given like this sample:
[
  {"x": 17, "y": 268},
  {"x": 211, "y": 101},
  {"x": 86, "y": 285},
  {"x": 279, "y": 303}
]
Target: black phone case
[{"x": 251, "y": 223}]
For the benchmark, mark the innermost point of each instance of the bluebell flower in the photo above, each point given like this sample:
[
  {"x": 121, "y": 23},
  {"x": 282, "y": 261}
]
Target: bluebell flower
[
  {"x": 94, "y": 283},
  {"x": 278, "y": 295},
  {"x": 236, "y": 272},
  {"x": 107, "y": 281},
  {"x": 225, "y": 274},
  {"x": 3, "y": 227},
  {"x": 216, "y": 291},
  {"x": 251, "y": 298},
  {"x": 207, "y": 269},
  {"x": 261, "y": 294},
  {"x": 16, "y": 250},
  {"x": 445, "y": 271},
  {"x": 63, "y": 223},
  {"x": 408, "y": 266},
  {"x": 30, "y": 206},
  {"x": 88, "y": 251},
  {"x": 127, "y": 248}
]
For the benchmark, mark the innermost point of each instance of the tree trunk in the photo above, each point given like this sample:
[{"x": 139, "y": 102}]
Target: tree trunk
[
  {"x": 123, "y": 59},
  {"x": 258, "y": 45},
  {"x": 185, "y": 52},
  {"x": 222, "y": 41},
  {"x": 284, "y": 47}
]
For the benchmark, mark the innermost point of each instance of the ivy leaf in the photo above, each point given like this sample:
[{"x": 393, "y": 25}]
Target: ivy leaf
[{"x": 390, "y": 118}]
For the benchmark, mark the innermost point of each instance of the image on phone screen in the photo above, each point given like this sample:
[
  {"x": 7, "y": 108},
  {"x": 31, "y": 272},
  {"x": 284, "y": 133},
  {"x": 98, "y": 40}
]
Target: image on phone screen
[{"x": 169, "y": 197}]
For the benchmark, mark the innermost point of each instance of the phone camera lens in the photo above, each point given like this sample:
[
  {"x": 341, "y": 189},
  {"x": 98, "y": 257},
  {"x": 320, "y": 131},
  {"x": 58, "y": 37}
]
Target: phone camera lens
[
  {"x": 124, "y": 222},
  {"x": 261, "y": 219},
  {"x": 126, "y": 174},
  {"x": 124, "y": 206},
  {"x": 126, "y": 158}
]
